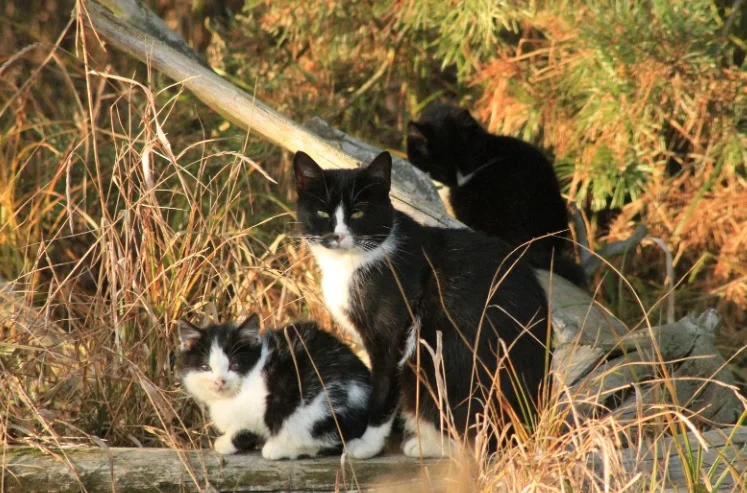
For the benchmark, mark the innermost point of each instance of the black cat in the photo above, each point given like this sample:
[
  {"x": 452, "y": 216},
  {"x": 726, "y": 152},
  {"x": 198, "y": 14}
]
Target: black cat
[
  {"x": 396, "y": 283},
  {"x": 279, "y": 388},
  {"x": 500, "y": 185}
]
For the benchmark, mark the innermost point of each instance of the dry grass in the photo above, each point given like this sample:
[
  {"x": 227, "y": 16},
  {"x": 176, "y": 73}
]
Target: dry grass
[{"x": 124, "y": 207}]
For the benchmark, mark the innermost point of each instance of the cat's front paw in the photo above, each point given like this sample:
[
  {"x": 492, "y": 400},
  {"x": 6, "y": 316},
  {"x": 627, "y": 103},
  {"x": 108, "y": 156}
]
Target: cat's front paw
[
  {"x": 370, "y": 444},
  {"x": 224, "y": 445},
  {"x": 414, "y": 447},
  {"x": 274, "y": 449}
]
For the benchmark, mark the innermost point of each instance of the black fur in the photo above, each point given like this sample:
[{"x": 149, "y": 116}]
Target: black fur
[
  {"x": 303, "y": 361},
  {"x": 446, "y": 276},
  {"x": 322, "y": 361},
  {"x": 246, "y": 440},
  {"x": 515, "y": 194}
]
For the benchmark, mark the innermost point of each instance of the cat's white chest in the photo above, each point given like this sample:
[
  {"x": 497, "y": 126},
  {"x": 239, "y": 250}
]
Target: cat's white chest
[
  {"x": 338, "y": 278},
  {"x": 246, "y": 410}
]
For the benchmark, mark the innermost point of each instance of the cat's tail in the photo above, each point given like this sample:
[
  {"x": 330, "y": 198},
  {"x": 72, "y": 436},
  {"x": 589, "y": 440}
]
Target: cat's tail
[{"x": 559, "y": 263}]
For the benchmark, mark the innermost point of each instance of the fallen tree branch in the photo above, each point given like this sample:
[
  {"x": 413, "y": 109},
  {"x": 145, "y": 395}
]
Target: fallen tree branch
[
  {"x": 412, "y": 191},
  {"x": 138, "y": 14},
  {"x": 614, "y": 249},
  {"x": 591, "y": 259},
  {"x": 595, "y": 356}
]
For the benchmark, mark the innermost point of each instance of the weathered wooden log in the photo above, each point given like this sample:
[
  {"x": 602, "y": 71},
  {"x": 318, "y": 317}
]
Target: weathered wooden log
[
  {"x": 585, "y": 332},
  {"x": 661, "y": 460},
  {"x": 595, "y": 355},
  {"x": 150, "y": 469}
]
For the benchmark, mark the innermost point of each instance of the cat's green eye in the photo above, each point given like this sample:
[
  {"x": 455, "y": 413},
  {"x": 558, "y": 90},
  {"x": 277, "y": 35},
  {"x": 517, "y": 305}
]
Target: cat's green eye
[
  {"x": 322, "y": 214},
  {"x": 205, "y": 368},
  {"x": 356, "y": 215}
]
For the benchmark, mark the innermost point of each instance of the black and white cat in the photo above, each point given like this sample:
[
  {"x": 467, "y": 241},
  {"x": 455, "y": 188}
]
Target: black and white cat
[
  {"x": 250, "y": 384},
  {"x": 499, "y": 185},
  {"x": 397, "y": 284}
]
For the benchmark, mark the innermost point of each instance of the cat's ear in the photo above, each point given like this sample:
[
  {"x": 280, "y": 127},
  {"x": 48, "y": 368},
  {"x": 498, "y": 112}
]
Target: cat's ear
[
  {"x": 306, "y": 170},
  {"x": 380, "y": 168},
  {"x": 467, "y": 126},
  {"x": 417, "y": 142},
  {"x": 249, "y": 328},
  {"x": 189, "y": 335}
]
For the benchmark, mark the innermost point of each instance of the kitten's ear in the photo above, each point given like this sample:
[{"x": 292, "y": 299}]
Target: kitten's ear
[
  {"x": 188, "y": 335},
  {"x": 380, "y": 168},
  {"x": 306, "y": 170},
  {"x": 417, "y": 142},
  {"x": 249, "y": 328}
]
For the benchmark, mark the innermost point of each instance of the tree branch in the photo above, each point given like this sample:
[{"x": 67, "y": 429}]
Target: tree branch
[{"x": 411, "y": 189}]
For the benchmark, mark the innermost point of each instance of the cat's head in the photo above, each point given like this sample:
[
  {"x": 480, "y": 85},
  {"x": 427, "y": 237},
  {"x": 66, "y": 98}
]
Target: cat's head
[
  {"x": 443, "y": 141},
  {"x": 215, "y": 358},
  {"x": 344, "y": 210}
]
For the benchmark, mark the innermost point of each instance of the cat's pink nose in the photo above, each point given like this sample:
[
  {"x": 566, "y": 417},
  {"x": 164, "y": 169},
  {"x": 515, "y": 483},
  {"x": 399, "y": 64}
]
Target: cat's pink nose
[
  {"x": 220, "y": 383},
  {"x": 339, "y": 237}
]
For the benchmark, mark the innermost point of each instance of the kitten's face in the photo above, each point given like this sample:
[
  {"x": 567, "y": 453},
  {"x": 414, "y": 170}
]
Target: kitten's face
[
  {"x": 344, "y": 210},
  {"x": 215, "y": 359},
  {"x": 441, "y": 141}
]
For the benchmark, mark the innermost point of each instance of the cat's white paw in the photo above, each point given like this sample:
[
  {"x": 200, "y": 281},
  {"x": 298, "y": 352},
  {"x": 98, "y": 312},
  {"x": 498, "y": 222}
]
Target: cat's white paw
[
  {"x": 427, "y": 448},
  {"x": 275, "y": 449},
  {"x": 224, "y": 445},
  {"x": 424, "y": 439},
  {"x": 370, "y": 444}
]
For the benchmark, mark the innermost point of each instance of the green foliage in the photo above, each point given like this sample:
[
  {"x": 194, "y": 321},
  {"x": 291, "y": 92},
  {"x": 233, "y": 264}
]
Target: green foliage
[
  {"x": 618, "y": 90},
  {"x": 465, "y": 34}
]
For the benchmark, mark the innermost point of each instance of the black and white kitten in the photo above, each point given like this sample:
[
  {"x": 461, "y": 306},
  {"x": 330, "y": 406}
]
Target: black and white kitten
[
  {"x": 499, "y": 185},
  {"x": 280, "y": 388},
  {"x": 397, "y": 284}
]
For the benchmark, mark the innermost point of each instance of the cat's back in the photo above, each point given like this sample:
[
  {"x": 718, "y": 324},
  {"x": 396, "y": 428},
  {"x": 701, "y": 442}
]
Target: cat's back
[
  {"x": 473, "y": 260},
  {"x": 473, "y": 274},
  {"x": 317, "y": 352},
  {"x": 516, "y": 196}
]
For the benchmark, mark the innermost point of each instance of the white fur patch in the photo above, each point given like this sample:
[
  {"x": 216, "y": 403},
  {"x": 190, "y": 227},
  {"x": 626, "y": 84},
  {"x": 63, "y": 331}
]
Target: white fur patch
[
  {"x": 203, "y": 385},
  {"x": 411, "y": 342},
  {"x": 224, "y": 445},
  {"x": 357, "y": 396},
  {"x": 339, "y": 267},
  {"x": 464, "y": 179},
  {"x": 342, "y": 229},
  {"x": 276, "y": 448},
  {"x": 371, "y": 443},
  {"x": 245, "y": 410},
  {"x": 425, "y": 440},
  {"x": 294, "y": 438}
]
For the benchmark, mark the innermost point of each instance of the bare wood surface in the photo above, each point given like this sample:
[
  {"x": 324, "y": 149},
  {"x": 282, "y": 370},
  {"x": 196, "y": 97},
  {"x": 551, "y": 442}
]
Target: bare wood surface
[
  {"x": 138, "y": 469},
  {"x": 151, "y": 469}
]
